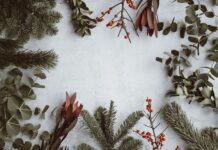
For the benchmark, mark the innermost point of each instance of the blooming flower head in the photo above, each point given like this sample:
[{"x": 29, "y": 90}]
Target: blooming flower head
[{"x": 71, "y": 109}]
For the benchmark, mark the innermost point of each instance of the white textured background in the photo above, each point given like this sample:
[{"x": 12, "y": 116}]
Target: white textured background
[{"x": 103, "y": 67}]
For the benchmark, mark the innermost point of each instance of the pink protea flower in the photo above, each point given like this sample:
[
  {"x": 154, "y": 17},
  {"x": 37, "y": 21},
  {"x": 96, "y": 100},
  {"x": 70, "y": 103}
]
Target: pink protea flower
[
  {"x": 148, "y": 18},
  {"x": 71, "y": 109}
]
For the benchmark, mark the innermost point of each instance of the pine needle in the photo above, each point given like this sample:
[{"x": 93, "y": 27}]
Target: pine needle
[
  {"x": 130, "y": 121},
  {"x": 93, "y": 127},
  {"x": 178, "y": 120},
  {"x": 130, "y": 143},
  {"x": 84, "y": 146}
]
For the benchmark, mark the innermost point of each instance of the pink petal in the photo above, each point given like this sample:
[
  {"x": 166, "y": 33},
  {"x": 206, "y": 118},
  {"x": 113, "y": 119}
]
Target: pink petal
[{"x": 67, "y": 102}]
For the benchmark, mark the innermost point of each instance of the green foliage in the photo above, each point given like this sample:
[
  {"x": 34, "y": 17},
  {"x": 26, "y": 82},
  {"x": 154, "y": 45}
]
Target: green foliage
[
  {"x": 11, "y": 53},
  {"x": 195, "y": 140},
  {"x": 81, "y": 21},
  {"x": 128, "y": 123},
  {"x": 100, "y": 127},
  {"x": 15, "y": 90},
  {"x": 22, "y": 19},
  {"x": 84, "y": 146},
  {"x": 130, "y": 143},
  {"x": 196, "y": 86},
  {"x": 20, "y": 144}
]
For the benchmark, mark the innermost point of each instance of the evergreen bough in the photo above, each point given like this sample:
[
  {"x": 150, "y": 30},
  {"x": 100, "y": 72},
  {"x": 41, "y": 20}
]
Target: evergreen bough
[
  {"x": 101, "y": 128},
  {"x": 11, "y": 53},
  {"x": 21, "y": 19},
  {"x": 195, "y": 140}
]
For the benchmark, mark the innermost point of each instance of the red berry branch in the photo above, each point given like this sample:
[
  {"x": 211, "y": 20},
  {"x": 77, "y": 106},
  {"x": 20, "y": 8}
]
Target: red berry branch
[
  {"x": 156, "y": 140},
  {"x": 120, "y": 17}
]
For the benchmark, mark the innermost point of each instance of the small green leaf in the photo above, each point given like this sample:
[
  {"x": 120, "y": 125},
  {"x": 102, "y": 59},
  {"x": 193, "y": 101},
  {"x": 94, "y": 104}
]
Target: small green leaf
[
  {"x": 159, "y": 59},
  {"x": 203, "y": 40},
  {"x": 45, "y": 136},
  {"x": 212, "y": 28},
  {"x": 160, "y": 26},
  {"x": 206, "y": 92},
  {"x": 173, "y": 27},
  {"x": 193, "y": 39},
  {"x": 27, "y": 92},
  {"x": 12, "y": 127},
  {"x": 209, "y": 14},
  {"x": 25, "y": 112},
  {"x": 182, "y": 31},
  {"x": 166, "y": 31}
]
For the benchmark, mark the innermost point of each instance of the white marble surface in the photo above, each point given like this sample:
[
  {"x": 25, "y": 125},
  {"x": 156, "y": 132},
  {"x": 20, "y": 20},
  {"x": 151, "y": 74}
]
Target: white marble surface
[{"x": 103, "y": 67}]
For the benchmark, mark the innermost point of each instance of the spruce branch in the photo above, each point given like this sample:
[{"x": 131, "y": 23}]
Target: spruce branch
[
  {"x": 85, "y": 146},
  {"x": 100, "y": 127},
  {"x": 12, "y": 52},
  {"x": 100, "y": 116},
  {"x": 130, "y": 143},
  {"x": 128, "y": 123},
  {"x": 93, "y": 127},
  {"x": 110, "y": 120},
  {"x": 22, "y": 19},
  {"x": 29, "y": 59},
  {"x": 177, "y": 119},
  {"x": 9, "y": 45}
]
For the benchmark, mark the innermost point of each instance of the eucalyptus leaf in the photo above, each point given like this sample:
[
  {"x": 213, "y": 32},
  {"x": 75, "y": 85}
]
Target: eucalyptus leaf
[
  {"x": 12, "y": 127},
  {"x": 27, "y": 92}
]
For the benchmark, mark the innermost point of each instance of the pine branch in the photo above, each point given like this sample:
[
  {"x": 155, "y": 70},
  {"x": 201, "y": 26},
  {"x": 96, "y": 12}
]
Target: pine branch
[
  {"x": 130, "y": 143},
  {"x": 93, "y": 127},
  {"x": 130, "y": 121},
  {"x": 211, "y": 135},
  {"x": 9, "y": 45},
  {"x": 84, "y": 146},
  {"x": 29, "y": 59},
  {"x": 22, "y": 19},
  {"x": 110, "y": 120},
  {"x": 177, "y": 119},
  {"x": 100, "y": 116}
]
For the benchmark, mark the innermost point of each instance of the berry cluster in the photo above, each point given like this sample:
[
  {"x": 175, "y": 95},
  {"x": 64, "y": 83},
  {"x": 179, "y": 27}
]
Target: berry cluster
[
  {"x": 119, "y": 18},
  {"x": 146, "y": 135},
  {"x": 131, "y": 4},
  {"x": 148, "y": 106},
  {"x": 156, "y": 140}
]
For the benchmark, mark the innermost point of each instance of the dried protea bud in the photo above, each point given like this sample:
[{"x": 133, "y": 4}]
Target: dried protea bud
[{"x": 148, "y": 18}]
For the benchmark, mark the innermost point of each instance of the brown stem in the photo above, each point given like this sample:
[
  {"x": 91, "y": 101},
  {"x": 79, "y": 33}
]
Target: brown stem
[{"x": 153, "y": 131}]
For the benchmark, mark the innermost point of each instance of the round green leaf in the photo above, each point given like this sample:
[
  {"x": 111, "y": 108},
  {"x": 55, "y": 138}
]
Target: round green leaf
[{"x": 12, "y": 127}]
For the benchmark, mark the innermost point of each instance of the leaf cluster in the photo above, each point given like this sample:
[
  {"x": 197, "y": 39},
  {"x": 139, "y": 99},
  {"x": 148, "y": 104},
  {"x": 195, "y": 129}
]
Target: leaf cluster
[
  {"x": 205, "y": 139},
  {"x": 101, "y": 128},
  {"x": 15, "y": 90},
  {"x": 80, "y": 17},
  {"x": 20, "y": 144},
  {"x": 196, "y": 86}
]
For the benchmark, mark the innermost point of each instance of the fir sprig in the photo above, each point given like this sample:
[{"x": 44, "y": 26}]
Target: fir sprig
[
  {"x": 100, "y": 127},
  {"x": 22, "y": 19},
  {"x": 11, "y": 53},
  {"x": 195, "y": 140}
]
